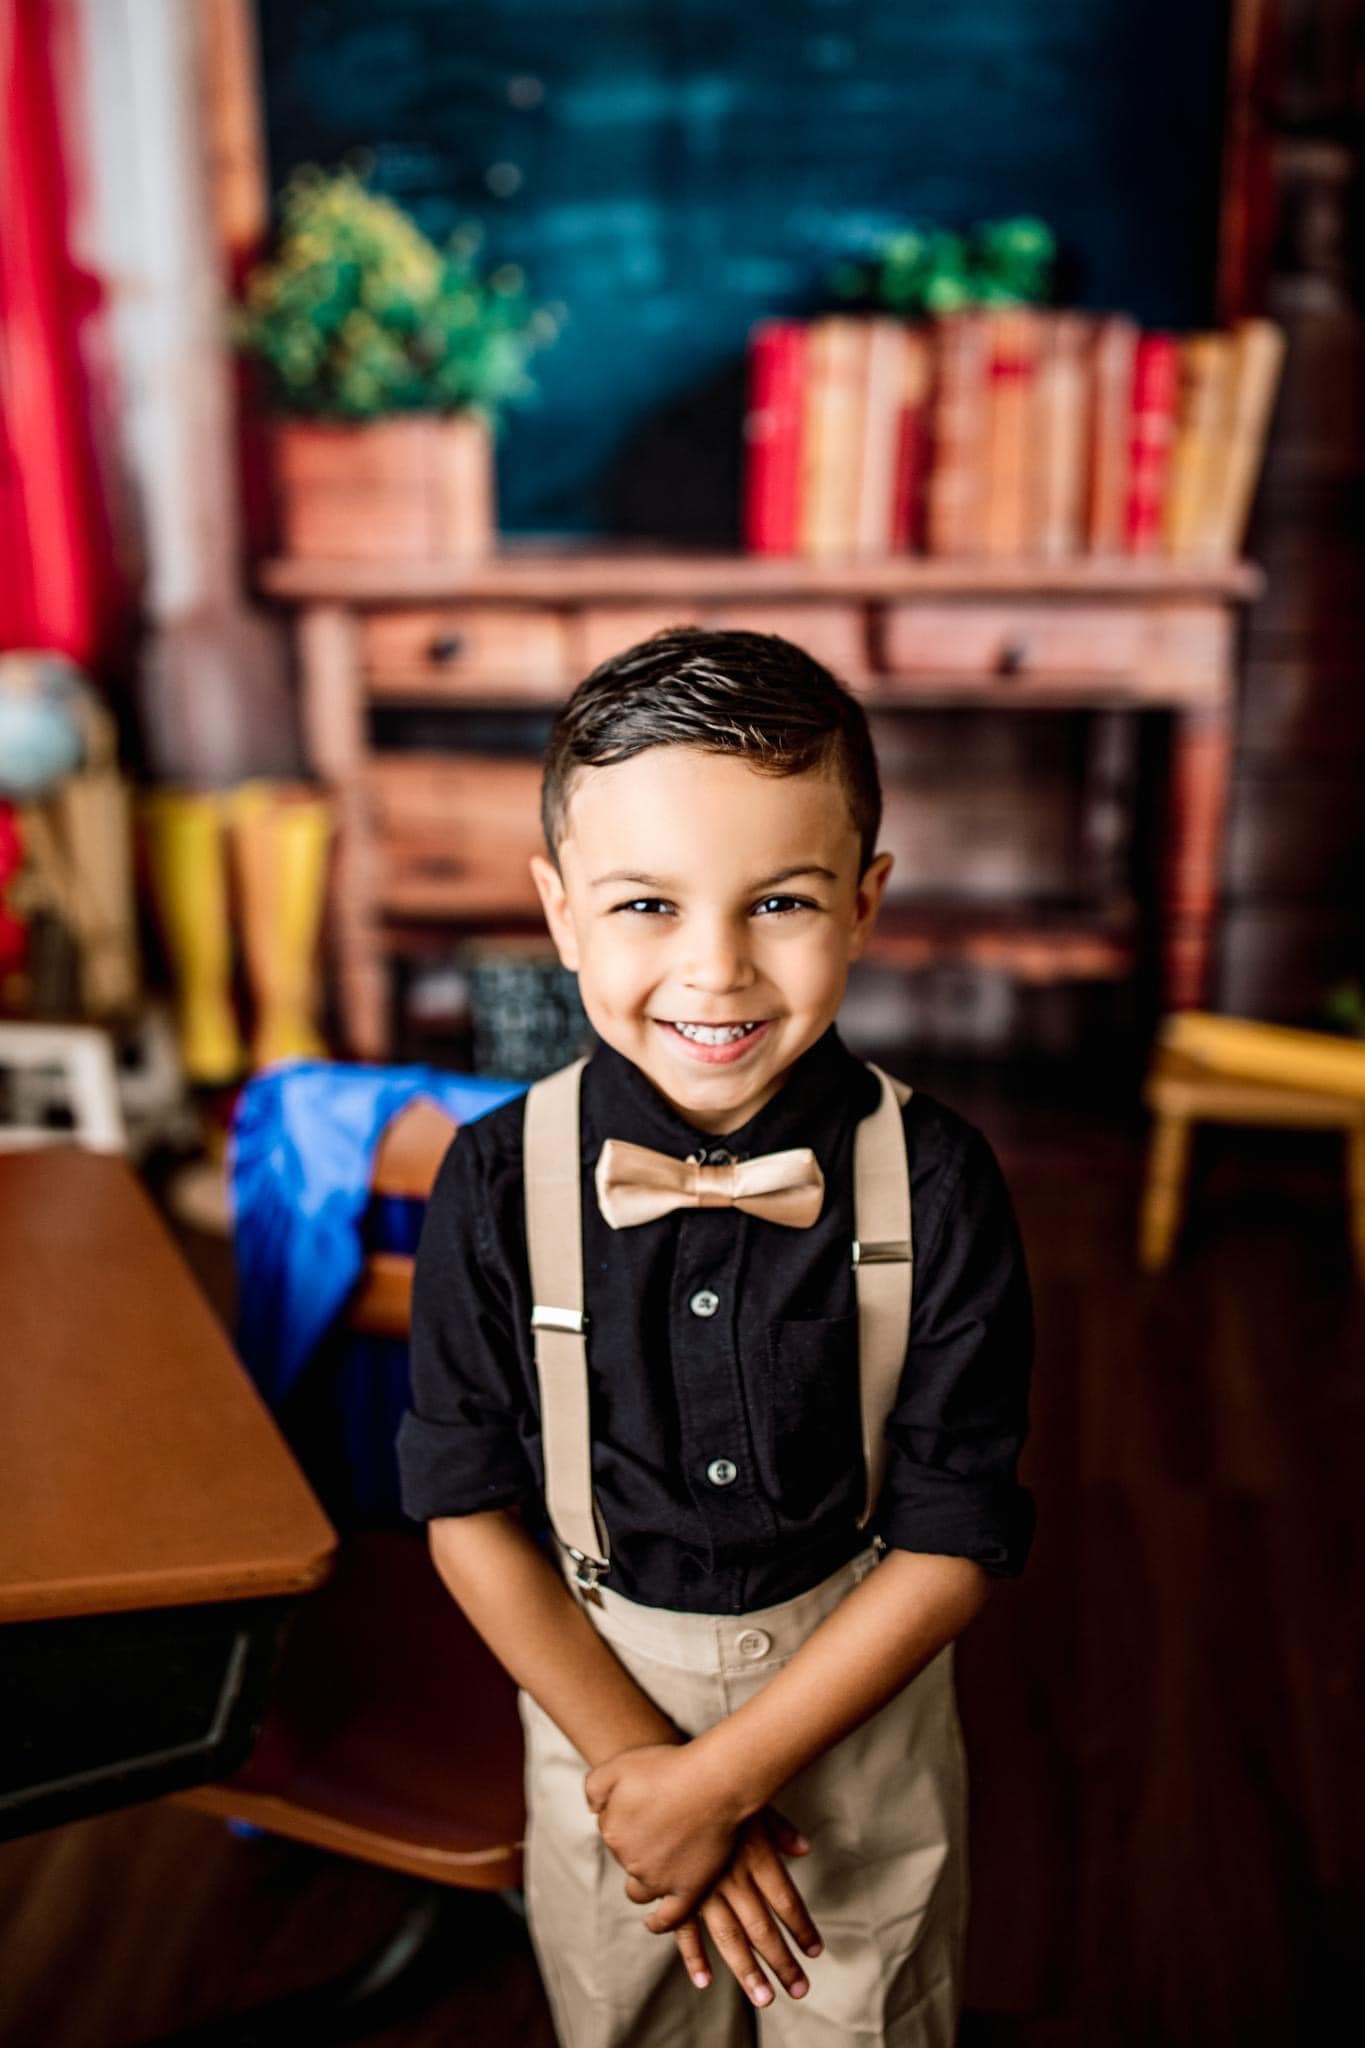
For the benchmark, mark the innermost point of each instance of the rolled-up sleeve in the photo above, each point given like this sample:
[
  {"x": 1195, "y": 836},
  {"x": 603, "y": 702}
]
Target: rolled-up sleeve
[
  {"x": 961, "y": 1413},
  {"x": 460, "y": 1447}
]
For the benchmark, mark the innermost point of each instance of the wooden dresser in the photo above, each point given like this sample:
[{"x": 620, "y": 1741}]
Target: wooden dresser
[{"x": 435, "y": 838}]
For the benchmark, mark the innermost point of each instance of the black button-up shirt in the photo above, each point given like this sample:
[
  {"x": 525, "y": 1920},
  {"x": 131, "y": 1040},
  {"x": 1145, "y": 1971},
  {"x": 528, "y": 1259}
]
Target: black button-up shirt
[{"x": 723, "y": 1352}]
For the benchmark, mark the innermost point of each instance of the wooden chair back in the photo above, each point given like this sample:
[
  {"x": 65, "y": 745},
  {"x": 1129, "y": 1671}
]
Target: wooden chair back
[{"x": 406, "y": 1163}]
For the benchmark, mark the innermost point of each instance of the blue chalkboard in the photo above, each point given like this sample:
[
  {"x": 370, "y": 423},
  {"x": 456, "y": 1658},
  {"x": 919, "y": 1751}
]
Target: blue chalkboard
[{"x": 673, "y": 171}]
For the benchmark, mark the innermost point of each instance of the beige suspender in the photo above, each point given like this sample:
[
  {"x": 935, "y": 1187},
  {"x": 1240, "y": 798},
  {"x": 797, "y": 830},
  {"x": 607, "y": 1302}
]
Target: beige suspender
[
  {"x": 883, "y": 1274},
  {"x": 883, "y": 1270},
  {"x": 554, "y": 1242}
]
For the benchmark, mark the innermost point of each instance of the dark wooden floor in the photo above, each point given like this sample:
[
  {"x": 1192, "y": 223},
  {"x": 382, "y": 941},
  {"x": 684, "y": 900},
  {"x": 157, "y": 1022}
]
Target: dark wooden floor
[{"x": 1165, "y": 1716}]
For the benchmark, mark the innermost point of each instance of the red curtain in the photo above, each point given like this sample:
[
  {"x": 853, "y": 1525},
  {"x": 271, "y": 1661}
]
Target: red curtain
[{"x": 56, "y": 579}]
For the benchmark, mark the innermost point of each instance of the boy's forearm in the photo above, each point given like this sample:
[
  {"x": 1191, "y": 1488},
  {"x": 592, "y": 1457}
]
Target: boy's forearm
[
  {"x": 860, "y": 1657},
  {"x": 520, "y": 1605}
]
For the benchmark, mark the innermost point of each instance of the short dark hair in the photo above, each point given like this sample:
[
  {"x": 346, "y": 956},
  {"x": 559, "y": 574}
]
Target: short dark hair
[{"x": 752, "y": 694}]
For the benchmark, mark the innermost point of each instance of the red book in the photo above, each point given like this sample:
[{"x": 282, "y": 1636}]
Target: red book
[
  {"x": 912, "y": 448},
  {"x": 1156, "y": 385},
  {"x": 772, "y": 437}
]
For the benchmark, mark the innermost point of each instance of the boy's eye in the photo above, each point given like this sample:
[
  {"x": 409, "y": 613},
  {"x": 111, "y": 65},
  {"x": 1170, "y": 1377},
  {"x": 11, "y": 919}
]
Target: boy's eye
[
  {"x": 766, "y": 906},
  {"x": 781, "y": 906}
]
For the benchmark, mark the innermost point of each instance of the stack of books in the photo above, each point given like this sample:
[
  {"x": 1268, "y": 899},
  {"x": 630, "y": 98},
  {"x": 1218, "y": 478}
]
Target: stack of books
[{"x": 1010, "y": 433}]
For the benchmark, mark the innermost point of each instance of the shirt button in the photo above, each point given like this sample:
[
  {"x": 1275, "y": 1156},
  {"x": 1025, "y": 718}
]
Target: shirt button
[
  {"x": 721, "y": 1472},
  {"x": 704, "y": 1302},
  {"x": 753, "y": 1642}
]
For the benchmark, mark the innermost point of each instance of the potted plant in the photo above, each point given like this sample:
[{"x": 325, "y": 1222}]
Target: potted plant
[
  {"x": 920, "y": 270},
  {"x": 388, "y": 360}
]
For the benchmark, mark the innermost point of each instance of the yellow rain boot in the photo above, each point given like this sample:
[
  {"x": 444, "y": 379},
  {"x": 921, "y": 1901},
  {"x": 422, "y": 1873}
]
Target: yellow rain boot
[
  {"x": 187, "y": 861},
  {"x": 281, "y": 835}
]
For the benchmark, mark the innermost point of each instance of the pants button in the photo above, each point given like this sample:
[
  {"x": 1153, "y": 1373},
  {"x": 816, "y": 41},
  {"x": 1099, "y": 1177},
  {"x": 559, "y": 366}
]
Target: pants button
[{"x": 753, "y": 1642}]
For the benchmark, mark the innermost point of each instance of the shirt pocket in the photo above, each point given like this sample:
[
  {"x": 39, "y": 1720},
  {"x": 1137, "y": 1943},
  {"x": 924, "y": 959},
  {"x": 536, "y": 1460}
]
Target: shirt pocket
[{"x": 814, "y": 1434}]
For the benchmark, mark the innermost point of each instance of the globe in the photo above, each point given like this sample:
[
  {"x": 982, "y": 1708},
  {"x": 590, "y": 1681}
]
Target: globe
[{"x": 42, "y": 696}]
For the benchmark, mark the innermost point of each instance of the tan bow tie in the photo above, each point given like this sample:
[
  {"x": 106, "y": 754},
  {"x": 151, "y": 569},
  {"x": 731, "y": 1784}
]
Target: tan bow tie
[{"x": 635, "y": 1185}]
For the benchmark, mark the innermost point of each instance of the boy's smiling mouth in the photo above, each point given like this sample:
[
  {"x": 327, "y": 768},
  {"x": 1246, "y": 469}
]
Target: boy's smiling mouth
[
  {"x": 714, "y": 1034},
  {"x": 715, "y": 1044}
]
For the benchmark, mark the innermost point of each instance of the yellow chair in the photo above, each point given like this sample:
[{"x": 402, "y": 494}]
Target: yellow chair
[{"x": 1232, "y": 1070}]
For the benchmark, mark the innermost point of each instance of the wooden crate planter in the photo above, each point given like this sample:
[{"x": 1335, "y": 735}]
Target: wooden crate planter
[{"x": 410, "y": 489}]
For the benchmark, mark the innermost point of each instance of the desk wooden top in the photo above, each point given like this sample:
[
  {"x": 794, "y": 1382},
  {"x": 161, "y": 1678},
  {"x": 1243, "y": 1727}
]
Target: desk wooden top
[
  {"x": 549, "y": 572},
  {"x": 138, "y": 1465}
]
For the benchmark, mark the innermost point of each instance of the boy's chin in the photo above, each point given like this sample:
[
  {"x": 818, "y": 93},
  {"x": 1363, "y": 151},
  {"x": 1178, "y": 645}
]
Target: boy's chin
[{"x": 705, "y": 1088}]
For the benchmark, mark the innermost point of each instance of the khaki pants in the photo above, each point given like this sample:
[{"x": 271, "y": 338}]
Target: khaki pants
[{"x": 885, "y": 1882}]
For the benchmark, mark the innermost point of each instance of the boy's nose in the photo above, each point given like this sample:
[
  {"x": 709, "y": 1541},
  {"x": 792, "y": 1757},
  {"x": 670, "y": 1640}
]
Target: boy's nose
[{"x": 719, "y": 964}]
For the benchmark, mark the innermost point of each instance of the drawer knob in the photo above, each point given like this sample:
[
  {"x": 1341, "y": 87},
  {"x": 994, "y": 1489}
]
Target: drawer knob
[
  {"x": 446, "y": 646},
  {"x": 1013, "y": 658}
]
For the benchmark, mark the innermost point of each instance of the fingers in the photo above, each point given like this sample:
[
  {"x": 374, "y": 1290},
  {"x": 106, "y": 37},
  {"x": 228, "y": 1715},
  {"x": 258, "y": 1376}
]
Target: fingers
[
  {"x": 693, "y": 1953},
  {"x": 789, "y": 1839},
  {"x": 763, "y": 1933},
  {"x": 598, "y": 1783},
  {"x": 639, "y": 1893},
  {"x": 670, "y": 1912},
  {"x": 773, "y": 1882},
  {"x": 743, "y": 1932}
]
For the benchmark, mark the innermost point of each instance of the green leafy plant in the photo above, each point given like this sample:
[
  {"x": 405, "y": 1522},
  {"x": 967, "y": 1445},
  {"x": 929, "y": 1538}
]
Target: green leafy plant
[
  {"x": 932, "y": 270},
  {"x": 357, "y": 314}
]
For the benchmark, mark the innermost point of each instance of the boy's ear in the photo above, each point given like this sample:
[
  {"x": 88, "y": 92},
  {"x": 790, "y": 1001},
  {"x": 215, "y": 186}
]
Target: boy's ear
[
  {"x": 553, "y": 901},
  {"x": 871, "y": 889}
]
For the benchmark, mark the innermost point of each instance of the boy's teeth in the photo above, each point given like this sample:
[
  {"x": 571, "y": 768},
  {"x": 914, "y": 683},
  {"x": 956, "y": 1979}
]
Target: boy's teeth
[{"x": 715, "y": 1034}]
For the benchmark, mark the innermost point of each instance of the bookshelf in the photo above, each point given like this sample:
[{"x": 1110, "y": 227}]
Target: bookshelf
[{"x": 434, "y": 837}]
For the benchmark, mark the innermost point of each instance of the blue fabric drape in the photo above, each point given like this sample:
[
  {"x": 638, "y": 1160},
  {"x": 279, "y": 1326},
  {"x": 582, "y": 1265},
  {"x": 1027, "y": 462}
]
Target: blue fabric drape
[{"x": 302, "y": 1153}]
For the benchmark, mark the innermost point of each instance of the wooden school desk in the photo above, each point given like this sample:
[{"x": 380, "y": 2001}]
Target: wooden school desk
[{"x": 154, "y": 1530}]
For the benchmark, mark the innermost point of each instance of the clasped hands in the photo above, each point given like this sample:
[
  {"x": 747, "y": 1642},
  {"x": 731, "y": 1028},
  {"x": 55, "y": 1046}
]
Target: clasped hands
[{"x": 688, "y": 1845}]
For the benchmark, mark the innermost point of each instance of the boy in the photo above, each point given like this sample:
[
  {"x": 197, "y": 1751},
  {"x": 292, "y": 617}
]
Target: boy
[{"x": 669, "y": 1301}]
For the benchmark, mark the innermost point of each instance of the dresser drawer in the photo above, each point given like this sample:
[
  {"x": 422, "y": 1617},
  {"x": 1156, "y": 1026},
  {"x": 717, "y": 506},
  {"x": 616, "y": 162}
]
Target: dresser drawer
[
  {"x": 1155, "y": 653},
  {"x": 467, "y": 651},
  {"x": 834, "y": 633},
  {"x": 454, "y": 835}
]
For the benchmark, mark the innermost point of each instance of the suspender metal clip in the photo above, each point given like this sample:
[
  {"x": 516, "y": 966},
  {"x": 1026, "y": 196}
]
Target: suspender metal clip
[
  {"x": 570, "y": 1320},
  {"x": 586, "y": 1572},
  {"x": 890, "y": 1252}
]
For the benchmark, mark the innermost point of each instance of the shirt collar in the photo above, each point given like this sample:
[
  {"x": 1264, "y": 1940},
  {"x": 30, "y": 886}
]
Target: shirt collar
[{"x": 825, "y": 1089}]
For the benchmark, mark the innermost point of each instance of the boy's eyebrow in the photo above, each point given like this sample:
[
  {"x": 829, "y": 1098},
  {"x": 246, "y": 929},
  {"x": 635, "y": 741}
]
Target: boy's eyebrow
[{"x": 618, "y": 875}]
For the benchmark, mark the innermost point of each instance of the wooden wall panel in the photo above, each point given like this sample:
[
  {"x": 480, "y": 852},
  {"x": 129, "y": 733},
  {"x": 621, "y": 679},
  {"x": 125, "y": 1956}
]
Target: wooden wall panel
[
  {"x": 1278, "y": 961},
  {"x": 1303, "y": 705},
  {"x": 1294, "y": 924},
  {"x": 1297, "y": 833}
]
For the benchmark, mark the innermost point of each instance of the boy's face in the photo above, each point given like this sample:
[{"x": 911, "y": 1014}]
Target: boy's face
[{"x": 695, "y": 895}]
